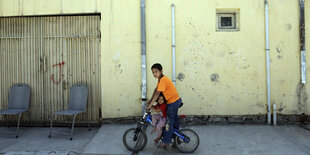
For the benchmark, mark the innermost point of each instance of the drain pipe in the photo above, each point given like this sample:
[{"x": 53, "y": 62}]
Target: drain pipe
[
  {"x": 143, "y": 54},
  {"x": 267, "y": 61},
  {"x": 302, "y": 41},
  {"x": 173, "y": 43}
]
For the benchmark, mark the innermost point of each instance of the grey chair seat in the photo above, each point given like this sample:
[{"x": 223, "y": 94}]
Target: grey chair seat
[
  {"x": 77, "y": 105},
  {"x": 12, "y": 111},
  {"x": 68, "y": 112}
]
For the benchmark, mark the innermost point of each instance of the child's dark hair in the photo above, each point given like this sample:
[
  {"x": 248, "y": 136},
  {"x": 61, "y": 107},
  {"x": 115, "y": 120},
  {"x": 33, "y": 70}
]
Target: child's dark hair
[
  {"x": 161, "y": 94},
  {"x": 157, "y": 66}
]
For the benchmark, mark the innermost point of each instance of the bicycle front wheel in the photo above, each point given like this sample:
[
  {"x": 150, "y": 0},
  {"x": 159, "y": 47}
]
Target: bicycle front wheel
[
  {"x": 134, "y": 140},
  {"x": 190, "y": 142}
]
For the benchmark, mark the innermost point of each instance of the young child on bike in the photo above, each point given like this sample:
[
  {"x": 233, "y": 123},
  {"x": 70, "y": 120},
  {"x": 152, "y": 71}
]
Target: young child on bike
[
  {"x": 174, "y": 101},
  {"x": 159, "y": 120}
]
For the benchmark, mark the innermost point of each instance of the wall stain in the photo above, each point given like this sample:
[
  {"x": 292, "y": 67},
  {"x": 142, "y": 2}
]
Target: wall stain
[
  {"x": 288, "y": 26},
  {"x": 118, "y": 68},
  {"x": 185, "y": 63},
  {"x": 260, "y": 104},
  {"x": 281, "y": 107},
  {"x": 181, "y": 76},
  {"x": 215, "y": 77},
  {"x": 245, "y": 67}
]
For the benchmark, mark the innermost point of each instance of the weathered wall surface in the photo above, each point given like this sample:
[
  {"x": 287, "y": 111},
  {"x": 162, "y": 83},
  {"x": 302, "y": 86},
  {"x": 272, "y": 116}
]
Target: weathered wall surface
[{"x": 218, "y": 73}]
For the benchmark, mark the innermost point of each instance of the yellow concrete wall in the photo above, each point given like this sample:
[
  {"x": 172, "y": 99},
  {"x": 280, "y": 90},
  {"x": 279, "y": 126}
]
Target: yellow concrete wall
[
  {"x": 238, "y": 58},
  {"x": 121, "y": 60},
  {"x": 201, "y": 52},
  {"x": 284, "y": 57}
]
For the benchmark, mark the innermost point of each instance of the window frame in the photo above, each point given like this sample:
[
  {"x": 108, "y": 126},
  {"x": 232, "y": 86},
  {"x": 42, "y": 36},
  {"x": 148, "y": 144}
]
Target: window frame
[{"x": 235, "y": 19}]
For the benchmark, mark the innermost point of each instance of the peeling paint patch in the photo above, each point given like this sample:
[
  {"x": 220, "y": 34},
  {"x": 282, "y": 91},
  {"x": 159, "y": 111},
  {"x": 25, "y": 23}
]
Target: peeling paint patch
[
  {"x": 215, "y": 77},
  {"x": 181, "y": 76}
]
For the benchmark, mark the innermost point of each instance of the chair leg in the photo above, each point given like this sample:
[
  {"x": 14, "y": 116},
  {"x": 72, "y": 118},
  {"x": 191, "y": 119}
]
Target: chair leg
[
  {"x": 72, "y": 126},
  {"x": 17, "y": 130},
  {"x": 6, "y": 117},
  {"x": 67, "y": 121},
  {"x": 49, "y": 136},
  {"x": 87, "y": 122}
]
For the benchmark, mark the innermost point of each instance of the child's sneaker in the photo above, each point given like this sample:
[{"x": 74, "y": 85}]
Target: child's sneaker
[{"x": 163, "y": 146}]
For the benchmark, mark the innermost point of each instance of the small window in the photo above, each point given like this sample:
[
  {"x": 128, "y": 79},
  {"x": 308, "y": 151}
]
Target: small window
[{"x": 227, "y": 20}]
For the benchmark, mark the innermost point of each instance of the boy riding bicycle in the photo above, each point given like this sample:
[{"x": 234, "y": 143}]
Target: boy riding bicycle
[{"x": 174, "y": 101}]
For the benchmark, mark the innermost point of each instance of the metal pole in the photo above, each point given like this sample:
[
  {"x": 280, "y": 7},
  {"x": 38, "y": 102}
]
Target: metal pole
[
  {"x": 173, "y": 43},
  {"x": 302, "y": 41},
  {"x": 143, "y": 54},
  {"x": 267, "y": 61}
]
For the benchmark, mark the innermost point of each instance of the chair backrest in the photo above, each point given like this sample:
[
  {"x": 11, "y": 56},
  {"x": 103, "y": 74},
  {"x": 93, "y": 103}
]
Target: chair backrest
[
  {"x": 19, "y": 96},
  {"x": 78, "y": 97}
]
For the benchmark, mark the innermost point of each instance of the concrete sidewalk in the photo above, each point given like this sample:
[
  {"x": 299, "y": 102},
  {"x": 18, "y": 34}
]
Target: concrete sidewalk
[{"x": 214, "y": 139}]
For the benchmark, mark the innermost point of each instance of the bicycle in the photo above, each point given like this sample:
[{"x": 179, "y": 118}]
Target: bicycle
[{"x": 135, "y": 139}]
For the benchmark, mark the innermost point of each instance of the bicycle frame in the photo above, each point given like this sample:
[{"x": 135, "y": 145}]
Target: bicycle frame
[{"x": 148, "y": 119}]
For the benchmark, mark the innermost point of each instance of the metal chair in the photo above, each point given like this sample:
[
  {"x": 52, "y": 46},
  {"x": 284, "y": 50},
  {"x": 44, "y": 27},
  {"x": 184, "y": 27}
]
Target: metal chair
[
  {"x": 19, "y": 99},
  {"x": 77, "y": 105}
]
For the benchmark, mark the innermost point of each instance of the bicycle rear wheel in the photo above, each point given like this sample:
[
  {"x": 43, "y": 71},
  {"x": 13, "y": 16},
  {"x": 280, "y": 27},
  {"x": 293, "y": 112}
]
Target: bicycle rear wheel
[
  {"x": 134, "y": 140},
  {"x": 189, "y": 144}
]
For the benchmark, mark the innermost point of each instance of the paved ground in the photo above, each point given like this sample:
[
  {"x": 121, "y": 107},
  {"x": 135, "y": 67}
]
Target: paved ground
[{"x": 214, "y": 139}]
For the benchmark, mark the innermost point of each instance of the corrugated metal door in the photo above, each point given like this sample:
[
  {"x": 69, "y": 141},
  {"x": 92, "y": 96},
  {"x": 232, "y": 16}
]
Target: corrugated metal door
[
  {"x": 67, "y": 52},
  {"x": 20, "y": 52},
  {"x": 72, "y": 55}
]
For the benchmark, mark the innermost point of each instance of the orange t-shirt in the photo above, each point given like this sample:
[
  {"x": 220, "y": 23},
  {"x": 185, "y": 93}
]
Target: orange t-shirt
[{"x": 166, "y": 86}]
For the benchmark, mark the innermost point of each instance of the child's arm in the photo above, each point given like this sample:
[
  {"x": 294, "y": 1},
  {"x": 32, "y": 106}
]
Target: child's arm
[
  {"x": 154, "y": 98},
  {"x": 156, "y": 110}
]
